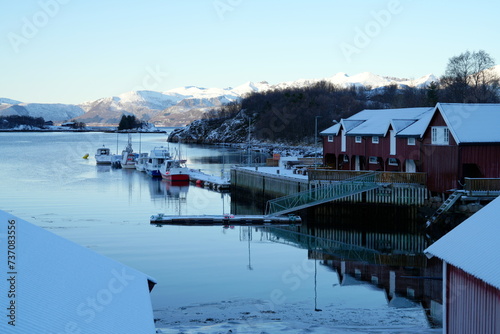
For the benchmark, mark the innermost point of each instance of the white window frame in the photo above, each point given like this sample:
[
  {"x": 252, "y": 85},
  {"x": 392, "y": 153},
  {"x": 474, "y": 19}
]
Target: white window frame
[
  {"x": 412, "y": 141},
  {"x": 330, "y": 138},
  {"x": 358, "y": 139},
  {"x": 393, "y": 162},
  {"x": 375, "y": 140},
  {"x": 373, "y": 160},
  {"x": 343, "y": 142},
  {"x": 440, "y": 135},
  {"x": 346, "y": 158}
]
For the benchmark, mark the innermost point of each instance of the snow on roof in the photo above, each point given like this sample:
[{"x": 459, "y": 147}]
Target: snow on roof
[
  {"x": 472, "y": 123},
  {"x": 377, "y": 121},
  {"x": 473, "y": 245},
  {"x": 417, "y": 129},
  {"x": 400, "y": 124},
  {"x": 350, "y": 124},
  {"x": 58, "y": 286},
  {"x": 332, "y": 130}
]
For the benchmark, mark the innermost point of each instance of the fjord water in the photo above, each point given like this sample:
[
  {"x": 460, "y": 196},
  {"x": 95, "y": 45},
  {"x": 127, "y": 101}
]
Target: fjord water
[{"x": 45, "y": 180}]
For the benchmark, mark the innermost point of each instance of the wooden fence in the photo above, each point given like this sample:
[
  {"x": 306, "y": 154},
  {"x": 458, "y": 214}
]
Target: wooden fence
[{"x": 483, "y": 186}]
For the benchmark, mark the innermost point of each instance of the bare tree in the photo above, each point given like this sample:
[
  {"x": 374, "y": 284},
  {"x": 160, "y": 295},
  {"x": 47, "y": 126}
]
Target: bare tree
[{"x": 469, "y": 78}]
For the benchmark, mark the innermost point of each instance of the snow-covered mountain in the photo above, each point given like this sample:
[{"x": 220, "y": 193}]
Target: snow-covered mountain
[
  {"x": 49, "y": 111},
  {"x": 182, "y": 105}
]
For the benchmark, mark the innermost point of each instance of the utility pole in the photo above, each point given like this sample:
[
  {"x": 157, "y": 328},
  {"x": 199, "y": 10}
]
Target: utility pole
[{"x": 316, "y": 140}]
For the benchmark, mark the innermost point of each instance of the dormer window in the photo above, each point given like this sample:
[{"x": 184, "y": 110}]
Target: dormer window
[{"x": 440, "y": 135}]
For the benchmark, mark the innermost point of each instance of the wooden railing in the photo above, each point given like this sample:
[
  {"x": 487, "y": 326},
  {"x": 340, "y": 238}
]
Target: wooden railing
[
  {"x": 485, "y": 186},
  {"x": 383, "y": 177}
]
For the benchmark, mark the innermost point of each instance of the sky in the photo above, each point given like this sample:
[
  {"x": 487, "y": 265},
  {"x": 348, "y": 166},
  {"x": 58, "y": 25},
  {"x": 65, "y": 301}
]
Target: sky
[{"x": 72, "y": 51}]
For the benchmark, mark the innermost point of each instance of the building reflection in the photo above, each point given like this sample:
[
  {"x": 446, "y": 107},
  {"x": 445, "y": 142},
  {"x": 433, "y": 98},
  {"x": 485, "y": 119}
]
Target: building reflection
[{"x": 392, "y": 262}]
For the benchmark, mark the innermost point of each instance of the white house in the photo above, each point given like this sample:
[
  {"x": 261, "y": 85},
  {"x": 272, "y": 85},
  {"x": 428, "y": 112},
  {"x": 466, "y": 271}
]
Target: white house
[{"x": 51, "y": 285}]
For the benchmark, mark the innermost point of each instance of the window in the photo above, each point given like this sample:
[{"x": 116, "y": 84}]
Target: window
[
  {"x": 358, "y": 139},
  {"x": 330, "y": 138},
  {"x": 373, "y": 160},
  {"x": 346, "y": 158},
  {"x": 393, "y": 161},
  {"x": 411, "y": 141},
  {"x": 440, "y": 135},
  {"x": 375, "y": 140}
]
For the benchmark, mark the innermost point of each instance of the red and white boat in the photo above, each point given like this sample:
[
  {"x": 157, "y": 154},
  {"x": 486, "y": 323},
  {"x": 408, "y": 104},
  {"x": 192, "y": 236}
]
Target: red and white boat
[{"x": 174, "y": 170}]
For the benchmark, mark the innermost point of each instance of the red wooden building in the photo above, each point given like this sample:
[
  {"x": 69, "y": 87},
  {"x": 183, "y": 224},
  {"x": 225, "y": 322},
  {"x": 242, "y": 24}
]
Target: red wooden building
[
  {"x": 448, "y": 142},
  {"x": 471, "y": 273}
]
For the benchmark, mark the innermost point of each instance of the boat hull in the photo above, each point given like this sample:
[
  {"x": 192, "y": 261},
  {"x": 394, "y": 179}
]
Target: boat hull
[{"x": 176, "y": 177}]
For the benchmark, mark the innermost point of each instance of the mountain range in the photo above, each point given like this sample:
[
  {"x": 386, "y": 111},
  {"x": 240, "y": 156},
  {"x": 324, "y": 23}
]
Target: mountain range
[{"x": 180, "y": 106}]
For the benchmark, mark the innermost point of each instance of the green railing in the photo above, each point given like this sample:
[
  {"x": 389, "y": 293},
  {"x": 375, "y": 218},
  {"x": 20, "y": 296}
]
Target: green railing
[
  {"x": 383, "y": 177},
  {"x": 322, "y": 194}
]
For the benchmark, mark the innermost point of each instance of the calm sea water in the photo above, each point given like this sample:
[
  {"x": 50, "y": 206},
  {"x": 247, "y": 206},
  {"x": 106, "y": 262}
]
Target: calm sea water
[{"x": 46, "y": 181}]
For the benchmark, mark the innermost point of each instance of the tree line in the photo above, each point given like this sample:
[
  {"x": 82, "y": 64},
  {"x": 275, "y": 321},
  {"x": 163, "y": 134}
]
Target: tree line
[{"x": 13, "y": 121}]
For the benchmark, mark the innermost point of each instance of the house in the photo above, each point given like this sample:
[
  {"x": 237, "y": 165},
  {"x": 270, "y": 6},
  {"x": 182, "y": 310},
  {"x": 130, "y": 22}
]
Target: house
[
  {"x": 376, "y": 139},
  {"x": 448, "y": 142},
  {"x": 471, "y": 273},
  {"x": 52, "y": 285},
  {"x": 461, "y": 140}
]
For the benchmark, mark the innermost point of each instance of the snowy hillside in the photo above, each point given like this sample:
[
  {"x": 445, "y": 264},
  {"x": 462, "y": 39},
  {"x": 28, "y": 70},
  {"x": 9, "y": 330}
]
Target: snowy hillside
[
  {"x": 8, "y": 101},
  {"x": 49, "y": 112},
  {"x": 180, "y": 106}
]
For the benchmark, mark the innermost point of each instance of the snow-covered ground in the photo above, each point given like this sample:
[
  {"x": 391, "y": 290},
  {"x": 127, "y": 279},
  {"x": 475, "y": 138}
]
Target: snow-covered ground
[{"x": 254, "y": 316}]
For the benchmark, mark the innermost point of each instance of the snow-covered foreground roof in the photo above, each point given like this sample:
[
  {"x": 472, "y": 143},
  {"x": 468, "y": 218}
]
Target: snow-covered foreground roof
[
  {"x": 52, "y": 285},
  {"x": 473, "y": 245},
  {"x": 472, "y": 123}
]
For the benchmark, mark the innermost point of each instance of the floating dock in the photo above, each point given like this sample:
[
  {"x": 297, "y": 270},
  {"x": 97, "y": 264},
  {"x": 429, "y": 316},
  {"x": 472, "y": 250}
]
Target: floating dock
[
  {"x": 226, "y": 220},
  {"x": 209, "y": 181}
]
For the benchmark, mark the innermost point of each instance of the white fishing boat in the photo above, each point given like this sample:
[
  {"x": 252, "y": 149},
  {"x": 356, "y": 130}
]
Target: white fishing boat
[
  {"x": 140, "y": 164},
  {"x": 128, "y": 158},
  {"x": 103, "y": 156},
  {"x": 156, "y": 159},
  {"x": 174, "y": 170}
]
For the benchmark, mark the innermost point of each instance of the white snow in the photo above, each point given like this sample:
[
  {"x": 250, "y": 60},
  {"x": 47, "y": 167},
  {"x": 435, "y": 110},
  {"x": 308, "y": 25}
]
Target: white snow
[
  {"x": 473, "y": 245},
  {"x": 250, "y": 316},
  {"x": 376, "y": 122},
  {"x": 54, "y": 279},
  {"x": 472, "y": 123}
]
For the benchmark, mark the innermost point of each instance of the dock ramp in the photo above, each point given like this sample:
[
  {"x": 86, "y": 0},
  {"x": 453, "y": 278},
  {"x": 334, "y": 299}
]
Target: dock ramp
[{"x": 322, "y": 194}]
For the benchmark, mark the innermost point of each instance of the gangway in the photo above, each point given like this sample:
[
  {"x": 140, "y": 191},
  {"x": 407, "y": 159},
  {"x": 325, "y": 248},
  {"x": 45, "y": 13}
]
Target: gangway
[
  {"x": 322, "y": 194},
  {"x": 445, "y": 206}
]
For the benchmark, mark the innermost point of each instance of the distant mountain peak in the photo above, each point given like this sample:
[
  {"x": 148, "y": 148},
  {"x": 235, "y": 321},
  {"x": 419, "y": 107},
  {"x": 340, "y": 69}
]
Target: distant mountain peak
[{"x": 179, "y": 106}]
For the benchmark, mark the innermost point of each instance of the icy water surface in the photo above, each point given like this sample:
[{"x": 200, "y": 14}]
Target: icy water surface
[{"x": 210, "y": 279}]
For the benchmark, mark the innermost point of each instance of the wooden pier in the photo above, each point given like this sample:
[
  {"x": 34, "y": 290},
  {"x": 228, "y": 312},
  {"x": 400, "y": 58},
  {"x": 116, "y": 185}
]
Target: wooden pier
[
  {"x": 226, "y": 220},
  {"x": 209, "y": 181},
  {"x": 395, "y": 187}
]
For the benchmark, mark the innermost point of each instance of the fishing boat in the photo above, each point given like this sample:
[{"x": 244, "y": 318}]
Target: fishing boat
[
  {"x": 141, "y": 161},
  {"x": 103, "y": 156},
  {"x": 128, "y": 157},
  {"x": 156, "y": 159},
  {"x": 174, "y": 170}
]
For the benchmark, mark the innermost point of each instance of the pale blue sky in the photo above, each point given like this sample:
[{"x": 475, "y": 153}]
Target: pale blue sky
[{"x": 72, "y": 51}]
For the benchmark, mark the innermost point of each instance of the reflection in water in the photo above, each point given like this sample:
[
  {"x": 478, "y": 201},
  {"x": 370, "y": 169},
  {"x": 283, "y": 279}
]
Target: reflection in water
[
  {"x": 402, "y": 271},
  {"x": 381, "y": 245}
]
